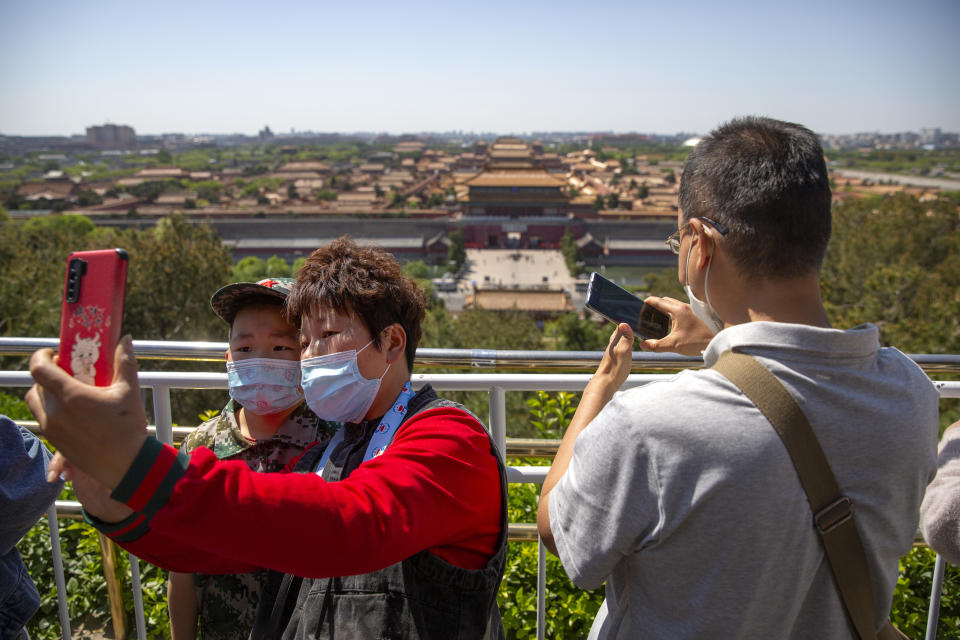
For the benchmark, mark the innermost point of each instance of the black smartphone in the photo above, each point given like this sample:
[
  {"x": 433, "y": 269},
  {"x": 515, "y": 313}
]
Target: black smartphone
[{"x": 616, "y": 304}]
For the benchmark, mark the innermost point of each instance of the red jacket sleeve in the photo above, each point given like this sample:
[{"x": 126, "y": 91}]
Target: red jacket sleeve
[{"x": 437, "y": 487}]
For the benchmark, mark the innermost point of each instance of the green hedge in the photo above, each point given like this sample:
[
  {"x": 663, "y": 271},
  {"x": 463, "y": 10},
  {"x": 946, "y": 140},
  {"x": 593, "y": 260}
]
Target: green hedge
[
  {"x": 911, "y": 600},
  {"x": 87, "y": 601},
  {"x": 570, "y": 610}
]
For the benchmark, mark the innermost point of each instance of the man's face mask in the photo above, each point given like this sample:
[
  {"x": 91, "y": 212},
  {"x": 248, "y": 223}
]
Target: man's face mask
[{"x": 703, "y": 310}]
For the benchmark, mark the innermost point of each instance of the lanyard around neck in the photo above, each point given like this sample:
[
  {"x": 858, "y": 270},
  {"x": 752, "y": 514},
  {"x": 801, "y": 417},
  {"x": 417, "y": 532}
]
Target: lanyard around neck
[{"x": 382, "y": 435}]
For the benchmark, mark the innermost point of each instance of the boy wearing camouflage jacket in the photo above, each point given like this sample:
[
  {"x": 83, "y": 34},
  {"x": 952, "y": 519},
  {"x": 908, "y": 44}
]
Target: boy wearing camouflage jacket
[{"x": 266, "y": 424}]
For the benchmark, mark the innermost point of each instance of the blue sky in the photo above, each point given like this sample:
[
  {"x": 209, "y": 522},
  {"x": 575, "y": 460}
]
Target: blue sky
[{"x": 219, "y": 67}]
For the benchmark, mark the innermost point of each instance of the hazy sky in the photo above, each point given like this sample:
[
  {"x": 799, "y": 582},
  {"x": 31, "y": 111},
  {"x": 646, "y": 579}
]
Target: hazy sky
[{"x": 220, "y": 67}]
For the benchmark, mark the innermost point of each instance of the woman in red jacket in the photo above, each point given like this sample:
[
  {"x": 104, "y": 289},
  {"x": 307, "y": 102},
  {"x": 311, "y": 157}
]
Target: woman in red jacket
[{"x": 397, "y": 529}]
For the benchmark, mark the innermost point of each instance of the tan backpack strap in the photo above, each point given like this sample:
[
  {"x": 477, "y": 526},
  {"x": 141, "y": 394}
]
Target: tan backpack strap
[{"x": 832, "y": 511}]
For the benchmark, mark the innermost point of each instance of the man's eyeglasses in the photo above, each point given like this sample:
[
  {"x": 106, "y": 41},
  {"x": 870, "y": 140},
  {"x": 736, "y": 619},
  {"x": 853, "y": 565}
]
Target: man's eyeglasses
[{"x": 674, "y": 240}]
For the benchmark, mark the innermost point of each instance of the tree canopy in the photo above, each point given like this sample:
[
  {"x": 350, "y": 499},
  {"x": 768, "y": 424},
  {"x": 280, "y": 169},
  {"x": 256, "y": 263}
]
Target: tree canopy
[
  {"x": 174, "y": 267},
  {"x": 457, "y": 251},
  {"x": 895, "y": 261}
]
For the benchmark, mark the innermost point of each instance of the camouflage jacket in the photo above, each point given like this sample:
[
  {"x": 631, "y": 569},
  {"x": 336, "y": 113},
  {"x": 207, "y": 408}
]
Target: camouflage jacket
[{"x": 226, "y": 604}]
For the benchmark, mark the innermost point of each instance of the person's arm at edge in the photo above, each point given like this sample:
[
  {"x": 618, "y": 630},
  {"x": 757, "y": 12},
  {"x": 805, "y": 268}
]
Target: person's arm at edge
[
  {"x": 940, "y": 510},
  {"x": 610, "y": 376},
  {"x": 27, "y": 494}
]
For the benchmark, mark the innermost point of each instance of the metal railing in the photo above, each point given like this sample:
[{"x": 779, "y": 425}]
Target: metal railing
[
  {"x": 469, "y": 358},
  {"x": 495, "y": 384}
]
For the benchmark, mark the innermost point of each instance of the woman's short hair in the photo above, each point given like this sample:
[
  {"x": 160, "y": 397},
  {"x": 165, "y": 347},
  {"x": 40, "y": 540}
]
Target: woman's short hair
[{"x": 367, "y": 281}]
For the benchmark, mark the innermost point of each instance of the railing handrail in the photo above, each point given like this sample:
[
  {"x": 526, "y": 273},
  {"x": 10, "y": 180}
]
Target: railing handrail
[{"x": 467, "y": 358}]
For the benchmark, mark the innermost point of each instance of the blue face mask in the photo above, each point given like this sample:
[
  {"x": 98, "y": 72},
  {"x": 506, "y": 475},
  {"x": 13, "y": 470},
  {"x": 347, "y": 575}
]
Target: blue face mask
[
  {"x": 264, "y": 386},
  {"x": 335, "y": 389}
]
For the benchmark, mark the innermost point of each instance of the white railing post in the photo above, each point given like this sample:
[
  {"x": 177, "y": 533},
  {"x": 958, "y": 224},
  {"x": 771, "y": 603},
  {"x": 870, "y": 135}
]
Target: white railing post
[
  {"x": 498, "y": 419},
  {"x": 137, "y": 596},
  {"x": 498, "y": 430},
  {"x": 541, "y": 589},
  {"x": 162, "y": 413},
  {"x": 58, "y": 577},
  {"x": 936, "y": 591}
]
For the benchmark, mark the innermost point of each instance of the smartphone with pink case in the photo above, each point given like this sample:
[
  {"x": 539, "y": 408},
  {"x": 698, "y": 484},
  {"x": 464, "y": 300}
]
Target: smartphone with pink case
[{"x": 92, "y": 314}]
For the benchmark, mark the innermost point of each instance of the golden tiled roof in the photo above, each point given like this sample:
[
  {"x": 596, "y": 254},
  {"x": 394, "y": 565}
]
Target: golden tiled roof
[{"x": 515, "y": 179}]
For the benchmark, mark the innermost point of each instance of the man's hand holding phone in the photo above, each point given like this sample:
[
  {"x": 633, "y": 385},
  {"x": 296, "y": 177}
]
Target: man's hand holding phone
[
  {"x": 663, "y": 324},
  {"x": 688, "y": 335},
  {"x": 617, "y": 305}
]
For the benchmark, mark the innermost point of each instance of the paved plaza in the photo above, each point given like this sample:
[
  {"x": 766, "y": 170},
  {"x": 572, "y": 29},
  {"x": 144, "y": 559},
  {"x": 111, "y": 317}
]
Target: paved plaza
[{"x": 522, "y": 268}]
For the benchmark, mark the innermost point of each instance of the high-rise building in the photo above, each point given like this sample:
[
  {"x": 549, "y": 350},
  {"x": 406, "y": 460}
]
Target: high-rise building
[
  {"x": 111, "y": 135},
  {"x": 930, "y": 137}
]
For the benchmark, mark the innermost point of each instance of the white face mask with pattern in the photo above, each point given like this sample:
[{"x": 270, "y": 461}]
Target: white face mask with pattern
[
  {"x": 264, "y": 386},
  {"x": 703, "y": 310}
]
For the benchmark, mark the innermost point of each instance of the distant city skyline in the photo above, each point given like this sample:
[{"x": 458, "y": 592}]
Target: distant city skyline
[
  {"x": 499, "y": 68},
  {"x": 447, "y": 134}
]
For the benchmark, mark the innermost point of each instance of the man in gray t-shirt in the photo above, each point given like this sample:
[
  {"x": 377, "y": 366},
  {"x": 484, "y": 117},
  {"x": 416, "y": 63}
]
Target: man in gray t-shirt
[{"x": 679, "y": 494}]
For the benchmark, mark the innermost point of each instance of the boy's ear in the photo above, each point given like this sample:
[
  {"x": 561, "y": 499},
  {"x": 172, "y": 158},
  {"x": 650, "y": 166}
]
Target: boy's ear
[{"x": 226, "y": 356}]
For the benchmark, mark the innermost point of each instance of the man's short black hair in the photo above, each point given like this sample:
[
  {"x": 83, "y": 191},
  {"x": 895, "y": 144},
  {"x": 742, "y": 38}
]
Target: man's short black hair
[{"x": 767, "y": 181}]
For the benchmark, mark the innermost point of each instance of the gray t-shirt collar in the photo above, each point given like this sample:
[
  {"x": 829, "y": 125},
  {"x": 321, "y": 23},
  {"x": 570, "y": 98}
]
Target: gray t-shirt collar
[{"x": 860, "y": 341}]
